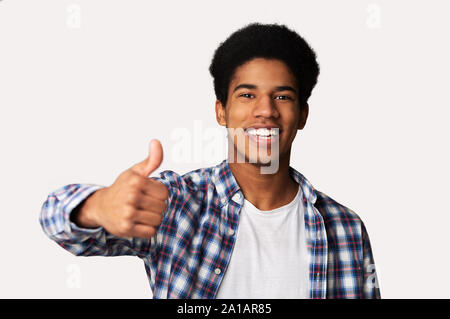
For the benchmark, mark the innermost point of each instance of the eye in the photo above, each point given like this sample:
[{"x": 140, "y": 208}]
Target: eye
[
  {"x": 283, "y": 97},
  {"x": 246, "y": 95}
]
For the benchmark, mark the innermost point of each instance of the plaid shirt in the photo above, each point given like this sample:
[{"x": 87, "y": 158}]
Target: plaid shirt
[{"x": 189, "y": 255}]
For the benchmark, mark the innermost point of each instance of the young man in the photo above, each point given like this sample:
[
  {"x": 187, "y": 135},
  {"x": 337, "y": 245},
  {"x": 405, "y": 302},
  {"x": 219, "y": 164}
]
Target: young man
[{"x": 250, "y": 227}]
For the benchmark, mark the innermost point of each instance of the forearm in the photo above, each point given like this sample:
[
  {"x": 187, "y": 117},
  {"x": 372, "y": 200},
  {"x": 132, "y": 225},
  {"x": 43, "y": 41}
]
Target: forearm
[
  {"x": 56, "y": 222},
  {"x": 77, "y": 234}
]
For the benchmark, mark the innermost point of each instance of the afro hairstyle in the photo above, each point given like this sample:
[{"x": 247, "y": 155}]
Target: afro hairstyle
[{"x": 270, "y": 41}]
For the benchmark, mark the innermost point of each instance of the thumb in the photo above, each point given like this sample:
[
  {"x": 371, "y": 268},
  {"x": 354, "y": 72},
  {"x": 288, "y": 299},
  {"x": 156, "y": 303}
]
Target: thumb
[{"x": 153, "y": 160}]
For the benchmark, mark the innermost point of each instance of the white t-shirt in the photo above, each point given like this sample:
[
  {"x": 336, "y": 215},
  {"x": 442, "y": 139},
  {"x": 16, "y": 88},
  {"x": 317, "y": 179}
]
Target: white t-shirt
[{"x": 270, "y": 258}]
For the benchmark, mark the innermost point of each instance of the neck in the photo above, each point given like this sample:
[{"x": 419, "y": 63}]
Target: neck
[{"x": 265, "y": 191}]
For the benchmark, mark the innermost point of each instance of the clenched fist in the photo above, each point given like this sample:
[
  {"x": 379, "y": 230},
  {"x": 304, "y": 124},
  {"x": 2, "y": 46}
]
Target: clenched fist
[{"x": 133, "y": 205}]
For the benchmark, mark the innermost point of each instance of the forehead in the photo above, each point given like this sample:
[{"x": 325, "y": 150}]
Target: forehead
[{"x": 263, "y": 71}]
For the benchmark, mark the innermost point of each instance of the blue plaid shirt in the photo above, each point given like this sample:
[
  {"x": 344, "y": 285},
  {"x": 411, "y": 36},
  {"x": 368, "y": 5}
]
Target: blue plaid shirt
[{"x": 189, "y": 255}]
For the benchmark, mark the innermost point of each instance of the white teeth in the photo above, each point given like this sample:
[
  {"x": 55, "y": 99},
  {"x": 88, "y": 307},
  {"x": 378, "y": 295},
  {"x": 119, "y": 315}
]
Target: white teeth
[{"x": 263, "y": 132}]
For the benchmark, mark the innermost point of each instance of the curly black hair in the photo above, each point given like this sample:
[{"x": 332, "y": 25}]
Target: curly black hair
[{"x": 271, "y": 41}]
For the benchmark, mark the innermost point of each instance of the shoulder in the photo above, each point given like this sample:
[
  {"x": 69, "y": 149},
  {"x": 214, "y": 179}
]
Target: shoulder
[
  {"x": 331, "y": 209},
  {"x": 337, "y": 217}
]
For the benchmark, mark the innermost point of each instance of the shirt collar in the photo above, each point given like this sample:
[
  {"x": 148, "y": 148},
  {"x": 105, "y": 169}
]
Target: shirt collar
[
  {"x": 227, "y": 186},
  {"x": 307, "y": 188}
]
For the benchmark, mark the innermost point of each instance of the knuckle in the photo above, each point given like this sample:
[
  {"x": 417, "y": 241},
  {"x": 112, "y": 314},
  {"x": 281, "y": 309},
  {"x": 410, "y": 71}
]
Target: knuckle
[
  {"x": 155, "y": 220},
  {"x": 161, "y": 189},
  {"x": 134, "y": 180},
  {"x": 128, "y": 214},
  {"x": 159, "y": 206},
  {"x": 132, "y": 197},
  {"x": 125, "y": 227}
]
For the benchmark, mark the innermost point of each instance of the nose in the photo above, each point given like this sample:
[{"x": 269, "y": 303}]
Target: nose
[{"x": 265, "y": 107}]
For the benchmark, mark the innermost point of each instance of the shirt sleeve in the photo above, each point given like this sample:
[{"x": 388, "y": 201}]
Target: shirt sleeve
[
  {"x": 371, "y": 288},
  {"x": 55, "y": 221}
]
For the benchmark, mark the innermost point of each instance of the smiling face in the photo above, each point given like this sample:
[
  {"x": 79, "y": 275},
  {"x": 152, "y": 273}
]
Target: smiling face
[{"x": 262, "y": 99}]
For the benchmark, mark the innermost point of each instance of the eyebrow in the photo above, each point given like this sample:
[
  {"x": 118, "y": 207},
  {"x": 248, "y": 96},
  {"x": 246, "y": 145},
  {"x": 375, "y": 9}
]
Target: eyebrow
[{"x": 277, "y": 88}]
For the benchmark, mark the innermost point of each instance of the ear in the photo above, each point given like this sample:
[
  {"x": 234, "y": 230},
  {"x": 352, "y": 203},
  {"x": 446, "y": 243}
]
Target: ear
[
  {"x": 304, "y": 111},
  {"x": 220, "y": 113}
]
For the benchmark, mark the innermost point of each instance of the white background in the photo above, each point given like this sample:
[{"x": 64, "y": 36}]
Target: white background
[{"x": 85, "y": 85}]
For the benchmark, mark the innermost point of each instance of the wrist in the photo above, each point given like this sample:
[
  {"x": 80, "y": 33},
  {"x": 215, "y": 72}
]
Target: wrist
[{"x": 85, "y": 215}]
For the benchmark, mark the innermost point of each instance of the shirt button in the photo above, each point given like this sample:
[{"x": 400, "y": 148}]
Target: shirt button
[
  {"x": 231, "y": 232},
  {"x": 217, "y": 271},
  {"x": 236, "y": 197}
]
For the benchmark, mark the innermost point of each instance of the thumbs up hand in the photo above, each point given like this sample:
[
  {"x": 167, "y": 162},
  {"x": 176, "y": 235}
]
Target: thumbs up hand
[{"x": 133, "y": 205}]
